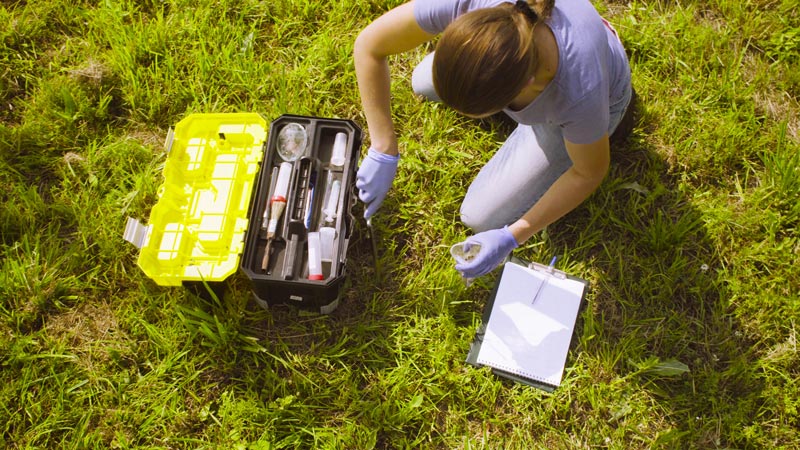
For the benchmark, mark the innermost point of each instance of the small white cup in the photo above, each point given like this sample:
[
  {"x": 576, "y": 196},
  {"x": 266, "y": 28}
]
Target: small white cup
[
  {"x": 461, "y": 256},
  {"x": 326, "y": 237}
]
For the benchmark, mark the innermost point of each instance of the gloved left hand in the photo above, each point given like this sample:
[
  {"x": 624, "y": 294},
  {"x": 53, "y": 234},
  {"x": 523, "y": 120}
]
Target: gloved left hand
[
  {"x": 496, "y": 245},
  {"x": 374, "y": 178}
]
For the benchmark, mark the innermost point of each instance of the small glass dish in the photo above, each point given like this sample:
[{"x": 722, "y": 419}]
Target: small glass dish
[{"x": 292, "y": 142}]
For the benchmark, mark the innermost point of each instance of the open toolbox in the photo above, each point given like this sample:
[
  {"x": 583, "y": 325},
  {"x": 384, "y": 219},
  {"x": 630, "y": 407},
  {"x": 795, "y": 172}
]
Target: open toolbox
[{"x": 274, "y": 203}]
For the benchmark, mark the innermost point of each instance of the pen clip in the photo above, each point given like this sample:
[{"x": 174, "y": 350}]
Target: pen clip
[{"x": 547, "y": 269}]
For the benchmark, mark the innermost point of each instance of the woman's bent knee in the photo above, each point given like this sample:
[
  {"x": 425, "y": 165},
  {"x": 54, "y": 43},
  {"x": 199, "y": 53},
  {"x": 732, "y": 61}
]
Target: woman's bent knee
[
  {"x": 422, "y": 79},
  {"x": 478, "y": 219}
]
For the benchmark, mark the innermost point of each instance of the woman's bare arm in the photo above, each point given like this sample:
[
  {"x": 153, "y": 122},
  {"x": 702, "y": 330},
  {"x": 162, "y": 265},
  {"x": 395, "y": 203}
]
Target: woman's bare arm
[
  {"x": 590, "y": 163},
  {"x": 394, "y": 32}
]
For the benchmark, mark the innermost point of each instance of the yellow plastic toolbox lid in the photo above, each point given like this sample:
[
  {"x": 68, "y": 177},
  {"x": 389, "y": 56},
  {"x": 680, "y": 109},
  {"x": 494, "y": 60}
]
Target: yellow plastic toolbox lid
[{"x": 197, "y": 227}]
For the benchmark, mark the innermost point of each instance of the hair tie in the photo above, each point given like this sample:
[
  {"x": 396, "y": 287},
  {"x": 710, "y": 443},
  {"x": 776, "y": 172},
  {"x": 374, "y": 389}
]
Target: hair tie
[{"x": 523, "y": 7}]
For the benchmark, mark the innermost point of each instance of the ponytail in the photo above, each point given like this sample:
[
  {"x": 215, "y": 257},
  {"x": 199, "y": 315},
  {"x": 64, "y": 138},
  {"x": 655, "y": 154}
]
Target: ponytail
[
  {"x": 542, "y": 8},
  {"x": 523, "y": 7}
]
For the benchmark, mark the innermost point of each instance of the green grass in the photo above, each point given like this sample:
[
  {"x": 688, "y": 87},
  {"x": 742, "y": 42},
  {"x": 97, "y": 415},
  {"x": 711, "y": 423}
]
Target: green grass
[{"x": 689, "y": 334}]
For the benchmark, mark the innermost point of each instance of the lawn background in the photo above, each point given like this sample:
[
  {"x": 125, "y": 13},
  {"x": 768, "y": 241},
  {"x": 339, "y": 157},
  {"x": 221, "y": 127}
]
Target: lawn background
[{"x": 689, "y": 334}]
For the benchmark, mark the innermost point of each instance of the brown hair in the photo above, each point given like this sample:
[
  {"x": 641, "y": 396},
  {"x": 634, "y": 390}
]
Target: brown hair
[{"x": 485, "y": 57}]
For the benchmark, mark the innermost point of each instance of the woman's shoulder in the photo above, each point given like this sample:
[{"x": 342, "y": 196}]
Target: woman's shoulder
[
  {"x": 581, "y": 39},
  {"x": 575, "y": 15},
  {"x": 433, "y": 16}
]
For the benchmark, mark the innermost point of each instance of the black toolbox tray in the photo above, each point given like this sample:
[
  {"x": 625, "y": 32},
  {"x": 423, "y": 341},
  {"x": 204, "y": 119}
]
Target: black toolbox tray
[{"x": 286, "y": 278}]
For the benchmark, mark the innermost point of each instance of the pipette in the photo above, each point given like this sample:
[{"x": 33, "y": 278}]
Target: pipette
[
  {"x": 333, "y": 201},
  {"x": 375, "y": 259},
  {"x": 277, "y": 205}
]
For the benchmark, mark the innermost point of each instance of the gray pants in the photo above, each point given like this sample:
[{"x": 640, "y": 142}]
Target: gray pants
[{"x": 526, "y": 165}]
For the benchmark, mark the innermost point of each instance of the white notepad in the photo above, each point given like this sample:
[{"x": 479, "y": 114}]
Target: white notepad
[{"x": 528, "y": 339}]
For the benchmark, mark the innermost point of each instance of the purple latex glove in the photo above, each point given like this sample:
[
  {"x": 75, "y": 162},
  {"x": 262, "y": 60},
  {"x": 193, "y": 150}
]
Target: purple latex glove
[
  {"x": 374, "y": 178},
  {"x": 495, "y": 246}
]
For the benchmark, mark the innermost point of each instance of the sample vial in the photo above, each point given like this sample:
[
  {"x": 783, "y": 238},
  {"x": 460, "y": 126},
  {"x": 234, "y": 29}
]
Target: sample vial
[
  {"x": 314, "y": 257},
  {"x": 339, "y": 149},
  {"x": 326, "y": 237}
]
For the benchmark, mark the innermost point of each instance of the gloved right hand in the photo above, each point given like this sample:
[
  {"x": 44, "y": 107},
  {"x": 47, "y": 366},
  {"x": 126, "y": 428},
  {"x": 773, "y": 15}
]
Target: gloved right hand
[
  {"x": 374, "y": 178},
  {"x": 495, "y": 246}
]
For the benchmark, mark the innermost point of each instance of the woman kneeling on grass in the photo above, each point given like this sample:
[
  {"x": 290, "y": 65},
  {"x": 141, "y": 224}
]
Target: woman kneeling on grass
[{"x": 555, "y": 67}]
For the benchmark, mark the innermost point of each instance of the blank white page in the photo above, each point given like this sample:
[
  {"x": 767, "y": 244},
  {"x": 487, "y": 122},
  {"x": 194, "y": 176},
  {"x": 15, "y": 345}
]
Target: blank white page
[{"x": 531, "y": 340}]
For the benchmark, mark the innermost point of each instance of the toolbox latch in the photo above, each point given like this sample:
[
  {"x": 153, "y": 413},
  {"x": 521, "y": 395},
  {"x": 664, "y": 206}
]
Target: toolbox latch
[
  {"x": 135, "y": 232},
  {"x": 169, "y": 141}
]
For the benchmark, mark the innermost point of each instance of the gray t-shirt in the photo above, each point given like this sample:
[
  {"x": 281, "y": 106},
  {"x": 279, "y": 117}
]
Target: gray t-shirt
[{"x": 592, "y": 74}]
